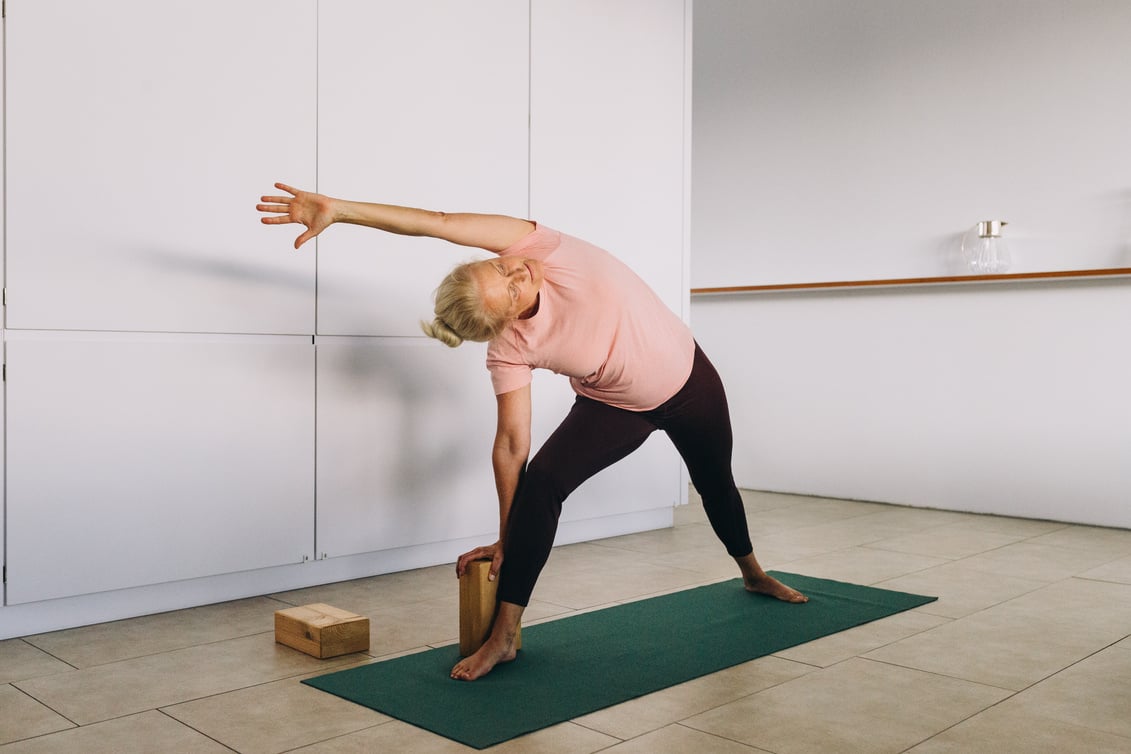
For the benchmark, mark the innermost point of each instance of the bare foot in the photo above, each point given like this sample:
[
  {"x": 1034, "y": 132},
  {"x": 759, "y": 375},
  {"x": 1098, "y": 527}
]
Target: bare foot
[
  {"x": 766, "y": 584},
  {"x": 493, "y": 651}
]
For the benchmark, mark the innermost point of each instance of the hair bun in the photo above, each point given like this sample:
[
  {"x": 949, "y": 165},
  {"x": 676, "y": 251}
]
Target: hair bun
[{"x": 439, "y": 330}]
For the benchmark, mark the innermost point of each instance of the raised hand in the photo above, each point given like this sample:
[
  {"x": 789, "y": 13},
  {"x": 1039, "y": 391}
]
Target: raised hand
[{"x": 315, "y": 211}]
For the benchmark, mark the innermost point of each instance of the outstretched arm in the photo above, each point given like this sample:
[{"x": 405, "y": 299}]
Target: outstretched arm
[{"x": 317, "y": 212}]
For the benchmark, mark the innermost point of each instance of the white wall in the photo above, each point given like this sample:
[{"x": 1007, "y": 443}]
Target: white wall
[
  {"x": 196, "y": 412},
  {"x": 846, "y": 141}
]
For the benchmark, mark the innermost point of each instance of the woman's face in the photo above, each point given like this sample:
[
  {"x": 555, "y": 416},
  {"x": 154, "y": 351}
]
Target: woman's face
[{"x": 509, "y": 285}]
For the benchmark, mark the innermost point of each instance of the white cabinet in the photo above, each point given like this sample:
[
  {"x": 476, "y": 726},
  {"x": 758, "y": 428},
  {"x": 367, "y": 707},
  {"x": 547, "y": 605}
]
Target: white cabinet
[
  {"x": 140, "y": 135},
  {"x": 405, "y": 428},
  {"x": 167, "y": 410},
  {"x": 421, "y": 104},
  {"x": 144, "y": 459}
]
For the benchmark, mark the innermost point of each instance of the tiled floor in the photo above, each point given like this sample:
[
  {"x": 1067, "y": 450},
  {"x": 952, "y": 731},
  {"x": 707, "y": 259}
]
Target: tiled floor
[{"x": 1028, "y": 649}]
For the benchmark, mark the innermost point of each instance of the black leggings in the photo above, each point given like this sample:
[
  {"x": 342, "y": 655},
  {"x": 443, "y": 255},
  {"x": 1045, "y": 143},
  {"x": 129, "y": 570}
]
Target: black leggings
[{"x": 595, "y": 435}]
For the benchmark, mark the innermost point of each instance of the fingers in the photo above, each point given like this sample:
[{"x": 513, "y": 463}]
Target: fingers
[
  {"x": 496, "y": 564},
  {"x": 309, "y": 234},
  {"x": 479, "y": 553},
  {"x": 461, "y": 563},
  {"x": 287, "y": 188}
]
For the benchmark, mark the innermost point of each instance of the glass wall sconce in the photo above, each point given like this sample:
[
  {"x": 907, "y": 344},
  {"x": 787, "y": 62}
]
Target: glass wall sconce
[{"x": 984, "y": 250}]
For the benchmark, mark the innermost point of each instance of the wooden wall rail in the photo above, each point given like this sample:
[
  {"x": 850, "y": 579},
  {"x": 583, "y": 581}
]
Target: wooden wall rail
[{"x": 893, "y": 282}]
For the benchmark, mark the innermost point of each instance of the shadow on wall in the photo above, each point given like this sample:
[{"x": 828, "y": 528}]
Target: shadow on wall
[
  {"x": 193, "y": 263},
  {"x": 403, "y": 418}
]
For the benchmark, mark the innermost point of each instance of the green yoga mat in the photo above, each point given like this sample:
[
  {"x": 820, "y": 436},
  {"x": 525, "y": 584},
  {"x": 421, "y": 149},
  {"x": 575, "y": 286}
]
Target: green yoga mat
[{"x": 586, "y": 662}]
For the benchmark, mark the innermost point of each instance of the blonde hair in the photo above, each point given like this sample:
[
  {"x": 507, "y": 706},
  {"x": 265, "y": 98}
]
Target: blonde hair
[{"x": 460, "y": 313}]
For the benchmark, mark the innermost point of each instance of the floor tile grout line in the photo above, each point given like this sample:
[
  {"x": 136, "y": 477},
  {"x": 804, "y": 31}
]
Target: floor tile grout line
[
  {"x": 161, "y": 711},
  {"x": 937, "y": 674},
  {"x": 1016, "y": 693},
  {"x": 44, "y": 704},
  {"x": 47, "y": 652},
  {"x": 341, "y": 735},
  {"x": 721, "y": 738},
  {"x": 160, "y": 652}
]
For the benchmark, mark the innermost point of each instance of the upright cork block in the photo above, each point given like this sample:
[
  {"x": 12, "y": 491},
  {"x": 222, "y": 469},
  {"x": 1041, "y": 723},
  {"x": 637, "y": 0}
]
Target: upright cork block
[
  {"x": 321, "y": 630},
  {"x": 477, "y": 608}
]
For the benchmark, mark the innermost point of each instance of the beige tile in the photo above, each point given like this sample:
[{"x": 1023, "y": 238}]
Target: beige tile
[
  {"x": 1098, "y": 608},
  {"x": 960, "y": 590},
  {"x": 952, "y": 542},
  {"x": 797, "y": 544},
  {"x": 142, "y": 683},
  {"x": 363, "y": 596},
  {"x": 393, "y": 736},
  {"x": 1020, "y": 527},
  {"x": 1025, "y": 640},
  {"x": 1094, "y": 539},
  {"x": 23, "y": 717},
  {"x": 856, "y": 706},
  {"x": 843, "y": 645},
  {"x": 120, "y": 640},
  {"x": 1005, "y": 730},
  {"x": 569, "y": 558},
  {"x": 579, "y": 583},
  {"x": 807, "y": 514},
  {"x": 676, "y": 739},
  {"x": 690, "y": 514},
  {"x": 396, "y": 736},
  {"x": 145, "y": 733},
  {"x": 647, "y": 713},
  {"x": 670, "y": 541},
  {"x": 20, "y": 660},
  {"x": 274, "y": 717},
  {"x": 832, "y": 536},
  {"x": 1041, "y": 562},
  {"x": 1094, "y": 693},
  {"x": 395, "y": 628},
  {"x": 758, "y": 500},
  {"x": 708, "y": 563},
  {"x": 1116, "y": 570},
  {"x": 565, "y": 738},
  {"x": 860, "y": 565},
  {"x": 915, "y": 518}
]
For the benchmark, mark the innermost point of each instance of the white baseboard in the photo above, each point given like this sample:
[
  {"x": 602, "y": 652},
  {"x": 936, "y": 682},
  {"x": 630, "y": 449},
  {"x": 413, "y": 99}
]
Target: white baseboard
[{"x": 53, "y": 615}]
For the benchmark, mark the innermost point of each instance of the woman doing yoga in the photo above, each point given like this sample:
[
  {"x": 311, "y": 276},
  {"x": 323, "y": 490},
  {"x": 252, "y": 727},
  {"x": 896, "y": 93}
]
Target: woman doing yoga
[{"x": 551, "y": 301}]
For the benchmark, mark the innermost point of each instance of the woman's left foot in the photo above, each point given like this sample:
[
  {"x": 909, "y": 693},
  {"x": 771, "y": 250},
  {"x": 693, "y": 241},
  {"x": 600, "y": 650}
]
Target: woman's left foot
[{"x": 770, "y": 586}]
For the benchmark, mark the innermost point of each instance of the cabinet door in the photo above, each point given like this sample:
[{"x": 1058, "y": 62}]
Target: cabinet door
[
  {"x": 139, "y": 460},
  {"x": 420, "y": 104},
  {"x": 405, "y": 429},
  {"x": 139, "y": 136}
]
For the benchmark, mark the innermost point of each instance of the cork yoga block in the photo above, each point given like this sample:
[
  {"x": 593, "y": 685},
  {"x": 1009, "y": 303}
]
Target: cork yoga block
[
  {"x": 477, "y": 608},
  {"x": 321, "y": 630}
]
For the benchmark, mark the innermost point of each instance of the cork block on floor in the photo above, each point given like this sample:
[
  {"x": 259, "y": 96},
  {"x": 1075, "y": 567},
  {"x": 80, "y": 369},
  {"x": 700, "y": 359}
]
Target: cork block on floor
[
  {"x": 477, "y": 608},
  {"x": 321, "y": 630}
]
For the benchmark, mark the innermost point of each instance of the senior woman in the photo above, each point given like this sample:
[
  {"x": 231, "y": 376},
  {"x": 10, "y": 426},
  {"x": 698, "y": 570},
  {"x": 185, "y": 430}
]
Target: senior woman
[{"x": 551, "y": 301}]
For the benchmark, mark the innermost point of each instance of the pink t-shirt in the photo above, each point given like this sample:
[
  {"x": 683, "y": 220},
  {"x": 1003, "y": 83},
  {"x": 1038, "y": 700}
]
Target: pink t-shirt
[{"x": 598, "y": 323}]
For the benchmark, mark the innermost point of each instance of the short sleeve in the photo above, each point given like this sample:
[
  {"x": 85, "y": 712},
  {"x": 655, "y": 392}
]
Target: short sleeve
[
  {"x": 507, "y": 372},
  {"x": 539, "y": 244}
]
